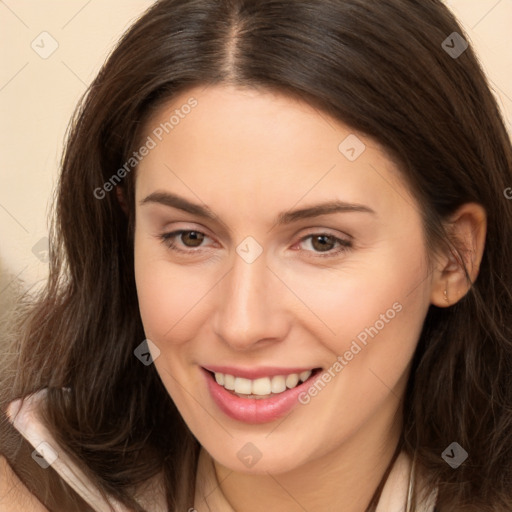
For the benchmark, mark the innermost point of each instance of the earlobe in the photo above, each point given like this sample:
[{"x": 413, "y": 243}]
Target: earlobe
[
  {"x": 467, "y": 228},
  {"x": 121, "y": 199}
]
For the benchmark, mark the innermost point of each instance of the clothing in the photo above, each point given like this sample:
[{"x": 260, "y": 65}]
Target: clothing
[
  {"x": 208, "y": 497},
  {"x": 393, "y": 497}
]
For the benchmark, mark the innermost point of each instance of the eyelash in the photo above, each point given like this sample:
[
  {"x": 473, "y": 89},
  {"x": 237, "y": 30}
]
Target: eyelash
[{"x": 344, "y": 245}]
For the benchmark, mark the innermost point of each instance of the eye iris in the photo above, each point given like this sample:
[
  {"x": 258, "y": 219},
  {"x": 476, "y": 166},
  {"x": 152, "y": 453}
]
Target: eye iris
[
  {"x": 194, "y": 236},
  {"x": 323, "y": 246}
]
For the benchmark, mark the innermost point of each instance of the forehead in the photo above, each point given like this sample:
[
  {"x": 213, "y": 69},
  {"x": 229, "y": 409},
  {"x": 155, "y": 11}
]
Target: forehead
[{"x": 261, "y": 147}]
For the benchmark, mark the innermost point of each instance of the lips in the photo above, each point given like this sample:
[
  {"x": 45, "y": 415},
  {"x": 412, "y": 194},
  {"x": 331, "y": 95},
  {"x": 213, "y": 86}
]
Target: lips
[{"x": 262, "y": 409}]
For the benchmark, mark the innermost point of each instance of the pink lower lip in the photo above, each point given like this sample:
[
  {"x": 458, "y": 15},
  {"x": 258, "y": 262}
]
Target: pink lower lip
[{"x": 254, "y": 410}]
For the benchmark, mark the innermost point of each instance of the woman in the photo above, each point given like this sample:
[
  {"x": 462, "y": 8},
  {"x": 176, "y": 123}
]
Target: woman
[{"x": 280, "y": 272}]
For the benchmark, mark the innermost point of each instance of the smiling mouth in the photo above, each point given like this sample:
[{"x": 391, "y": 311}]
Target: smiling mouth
[{"x": 263, "y": 387}]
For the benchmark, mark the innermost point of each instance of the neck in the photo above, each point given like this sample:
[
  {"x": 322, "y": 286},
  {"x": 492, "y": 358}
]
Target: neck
[{"x": 345, "y": 479}]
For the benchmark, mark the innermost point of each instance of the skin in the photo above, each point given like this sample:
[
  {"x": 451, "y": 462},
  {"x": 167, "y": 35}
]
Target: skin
[
  {"x": 13, "y": 493},
  {"x": 249, "y": 155}
]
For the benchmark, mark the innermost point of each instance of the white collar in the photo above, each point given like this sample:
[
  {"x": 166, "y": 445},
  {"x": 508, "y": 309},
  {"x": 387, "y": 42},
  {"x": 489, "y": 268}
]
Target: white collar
[
  {"x": 25, "y": 419},
  {"x": 395, "y": 495}
]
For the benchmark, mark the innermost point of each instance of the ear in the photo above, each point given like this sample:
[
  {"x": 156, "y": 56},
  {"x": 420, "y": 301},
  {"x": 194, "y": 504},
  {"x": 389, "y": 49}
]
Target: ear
[
  {"x": 121, "y": 199},
  {"x": 468, "y": 226}
]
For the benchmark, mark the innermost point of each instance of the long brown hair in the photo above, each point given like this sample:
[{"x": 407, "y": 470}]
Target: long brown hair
[{"x": 381, "y": 68}]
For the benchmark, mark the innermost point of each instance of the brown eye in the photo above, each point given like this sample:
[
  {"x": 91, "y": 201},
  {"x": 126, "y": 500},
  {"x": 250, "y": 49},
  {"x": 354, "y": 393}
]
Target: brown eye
[
  {"x": 194, "y": 237},
  {"x": 183, "y": 240},
  {"x": 323, "y": 243}
]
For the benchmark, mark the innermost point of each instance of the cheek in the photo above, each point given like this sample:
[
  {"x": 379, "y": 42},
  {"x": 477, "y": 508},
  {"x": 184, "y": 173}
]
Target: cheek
[
  {"x": 167, "y": 296},
  {"x": 375, "y": 316},
  {"x": 377, "y": 292},
  {"x": 371, "y": 312},
  {"x": 170, "y": 296}
]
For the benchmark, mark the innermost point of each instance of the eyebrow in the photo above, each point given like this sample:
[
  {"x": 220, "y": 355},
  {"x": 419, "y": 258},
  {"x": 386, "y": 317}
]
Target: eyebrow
[{"x": 286, "y": 217}]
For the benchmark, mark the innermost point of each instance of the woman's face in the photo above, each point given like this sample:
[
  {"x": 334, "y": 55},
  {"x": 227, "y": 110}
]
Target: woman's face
[{"x": 301, "y": 249}]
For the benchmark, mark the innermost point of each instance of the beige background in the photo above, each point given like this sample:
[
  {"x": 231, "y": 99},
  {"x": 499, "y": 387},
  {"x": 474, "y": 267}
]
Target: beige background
[{"x": 37, "y": 97}]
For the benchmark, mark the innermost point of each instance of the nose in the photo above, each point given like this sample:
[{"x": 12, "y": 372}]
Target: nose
[{"x": 251, "y": 312}]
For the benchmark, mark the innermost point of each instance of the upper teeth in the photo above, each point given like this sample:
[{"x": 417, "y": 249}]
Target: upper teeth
[{"x": 262, "y": 386}]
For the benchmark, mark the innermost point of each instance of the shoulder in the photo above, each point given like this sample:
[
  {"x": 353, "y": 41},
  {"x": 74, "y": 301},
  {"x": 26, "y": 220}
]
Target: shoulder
[
  {"x": 24, "y": 414},
  {"x": 14, "y": 496}
]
